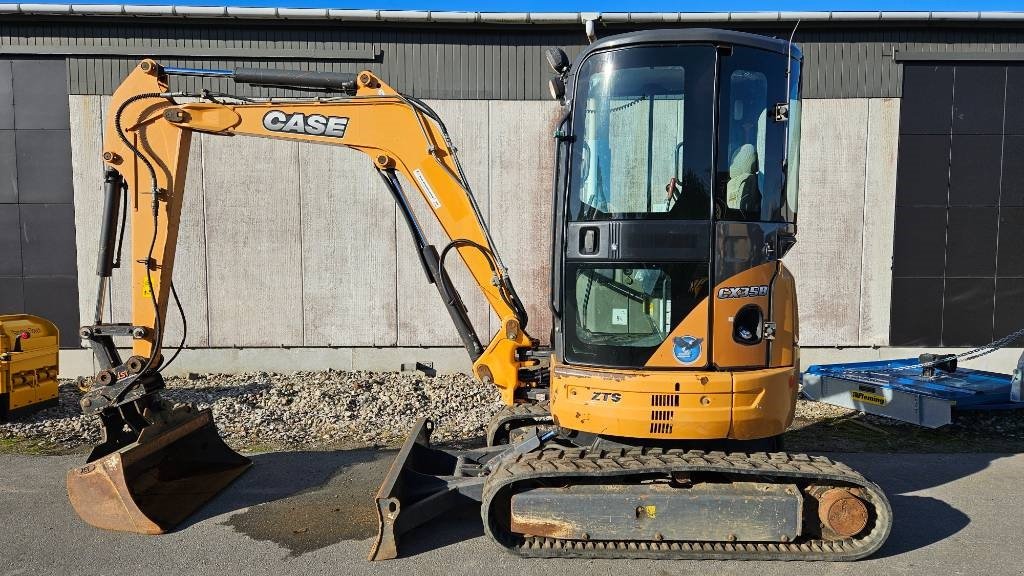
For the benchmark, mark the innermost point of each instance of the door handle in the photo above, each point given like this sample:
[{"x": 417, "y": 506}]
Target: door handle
[{"x": 590, "y": 240}]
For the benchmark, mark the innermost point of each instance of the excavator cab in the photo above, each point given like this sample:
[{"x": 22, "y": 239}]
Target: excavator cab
[{"x": 675, "y": 200}]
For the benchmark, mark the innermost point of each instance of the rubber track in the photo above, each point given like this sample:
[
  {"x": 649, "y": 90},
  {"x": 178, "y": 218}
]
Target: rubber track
[
  {"x": 529, "y": 413},
  {"x": 566, "y": 464}
]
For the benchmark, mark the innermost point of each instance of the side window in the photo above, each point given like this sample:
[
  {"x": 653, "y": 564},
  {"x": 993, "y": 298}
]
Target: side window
[
  {"x": 747, "y": 122},
  {"x": 751, "y": 140},
  {"x": 793, "y": 160}
]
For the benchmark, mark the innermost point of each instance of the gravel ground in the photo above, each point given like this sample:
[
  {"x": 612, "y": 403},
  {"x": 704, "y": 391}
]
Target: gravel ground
[
  {"x": 301, "y": 410},
  {"x": 334, "y": 409}
]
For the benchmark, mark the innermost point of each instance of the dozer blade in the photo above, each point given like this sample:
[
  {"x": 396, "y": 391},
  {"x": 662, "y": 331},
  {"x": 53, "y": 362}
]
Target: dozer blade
[
  {"x": 153, "y": 484},
  {"x": 423, "y": 483}
]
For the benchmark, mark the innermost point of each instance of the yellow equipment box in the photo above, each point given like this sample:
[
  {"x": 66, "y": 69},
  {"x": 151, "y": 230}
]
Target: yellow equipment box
[{"x": 28, "y": 363}]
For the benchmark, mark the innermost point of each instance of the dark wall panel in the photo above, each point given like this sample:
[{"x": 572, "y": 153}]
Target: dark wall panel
[
  {"x": 916, "y": 312},
  {"x": 41, "y": 95},
  {"x": 1015, "y": 96},
  {"x": 1011, "y": 242},
  {"x": 6, "y": 96},
  {"x": 971, "y": 242},
  {"x": 920, "y": 241},
  {"x": 44, "y": 166},
  {"x": 959, "y": 238},
  {"x": 922, "y": 170},
  {"x": 38, "y": 272},
  {"x": 974, "y": 169},
  {"x": 10, "y": 242},
  {"x": 1009, "y": 306},
  {"x": 967, "y": 315},
  {"x": 978, "y": 92},
  {"x": 8, "y": 168},
  {"x": 47, "y": 242},
  {"x": 55, "y": 298},
  {"x": 927, "y": 97},
  {"x": 1013, "y": 169},
  {"x": 12, "y": 294}
]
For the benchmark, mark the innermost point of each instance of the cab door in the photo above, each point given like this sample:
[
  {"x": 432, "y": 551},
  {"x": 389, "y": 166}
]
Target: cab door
[
  {"x": 754, "y": 225},
  {"x": 636, "y": 254}
]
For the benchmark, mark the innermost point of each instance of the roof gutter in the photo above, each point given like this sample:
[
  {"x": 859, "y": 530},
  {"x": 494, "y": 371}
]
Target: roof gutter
[{"x": 539, "y": 18}]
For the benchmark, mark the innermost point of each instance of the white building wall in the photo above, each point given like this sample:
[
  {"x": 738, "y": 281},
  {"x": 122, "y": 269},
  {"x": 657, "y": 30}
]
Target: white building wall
[{"x": 301, "y": 246}]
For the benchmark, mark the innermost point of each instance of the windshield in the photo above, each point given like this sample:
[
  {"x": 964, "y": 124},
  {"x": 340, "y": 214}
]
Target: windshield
[{"x": 643, "y": 127}]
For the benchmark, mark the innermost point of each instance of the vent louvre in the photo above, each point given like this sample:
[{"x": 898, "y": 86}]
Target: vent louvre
[
  {"x": 666, "y": 400},
  {"x": 662, "y": 415},
  {"x": 661, "y": 428}
]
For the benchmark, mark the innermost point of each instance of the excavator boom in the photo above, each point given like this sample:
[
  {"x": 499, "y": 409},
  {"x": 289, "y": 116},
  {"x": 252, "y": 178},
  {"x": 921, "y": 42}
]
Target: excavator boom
[{"x": 158, "y": 463}]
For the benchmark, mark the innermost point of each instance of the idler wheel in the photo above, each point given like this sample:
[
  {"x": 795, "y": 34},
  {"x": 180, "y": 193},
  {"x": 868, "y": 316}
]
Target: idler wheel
[{"x": 842, "y": 512}]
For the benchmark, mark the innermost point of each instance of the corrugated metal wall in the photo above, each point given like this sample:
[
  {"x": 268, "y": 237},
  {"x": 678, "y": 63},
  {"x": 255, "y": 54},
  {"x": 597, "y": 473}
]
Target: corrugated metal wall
[{"x": 495, "y": 63}]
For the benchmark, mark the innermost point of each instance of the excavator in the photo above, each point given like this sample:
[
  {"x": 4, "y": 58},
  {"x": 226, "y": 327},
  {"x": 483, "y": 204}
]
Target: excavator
[{"x": 651, "y": 425}]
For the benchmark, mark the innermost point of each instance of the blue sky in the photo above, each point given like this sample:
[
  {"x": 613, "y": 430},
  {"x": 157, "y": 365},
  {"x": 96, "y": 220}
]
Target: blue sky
[{"x": 601, "y": 5}]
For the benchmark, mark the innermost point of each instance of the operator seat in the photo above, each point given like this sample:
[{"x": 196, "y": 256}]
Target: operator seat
[{"x": 742, "y": 191}]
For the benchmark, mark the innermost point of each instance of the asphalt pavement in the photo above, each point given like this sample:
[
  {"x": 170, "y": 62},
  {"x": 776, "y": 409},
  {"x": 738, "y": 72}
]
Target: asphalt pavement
[{"x": 311, "y": 513}]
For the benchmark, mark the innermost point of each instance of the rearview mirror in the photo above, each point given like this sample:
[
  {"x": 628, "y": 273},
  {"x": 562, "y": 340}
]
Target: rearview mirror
[{"x": 557, "y": 59}]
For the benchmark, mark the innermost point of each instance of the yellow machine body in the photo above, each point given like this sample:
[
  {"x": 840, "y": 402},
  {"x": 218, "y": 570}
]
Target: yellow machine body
[
  {"x": 660, "y": 402},
  {"x": 29, "y": 347}
]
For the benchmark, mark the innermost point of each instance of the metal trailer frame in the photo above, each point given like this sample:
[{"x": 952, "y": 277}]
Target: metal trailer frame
[{"x": 882, "y": 389}]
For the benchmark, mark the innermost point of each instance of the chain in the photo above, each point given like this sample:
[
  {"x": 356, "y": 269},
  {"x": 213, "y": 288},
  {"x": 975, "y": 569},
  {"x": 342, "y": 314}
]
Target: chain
[{"x": 965, "y": 356}]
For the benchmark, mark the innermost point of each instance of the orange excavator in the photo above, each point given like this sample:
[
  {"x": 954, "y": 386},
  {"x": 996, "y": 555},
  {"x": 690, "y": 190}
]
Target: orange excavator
[{"x": 650, "y": 427}]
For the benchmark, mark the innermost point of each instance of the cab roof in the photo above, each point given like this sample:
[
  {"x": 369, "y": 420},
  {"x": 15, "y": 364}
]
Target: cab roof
[{"x": 694, "y": 35}]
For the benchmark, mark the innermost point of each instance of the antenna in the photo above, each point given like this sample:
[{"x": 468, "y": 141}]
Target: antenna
[{"x": 789, "y": 62}]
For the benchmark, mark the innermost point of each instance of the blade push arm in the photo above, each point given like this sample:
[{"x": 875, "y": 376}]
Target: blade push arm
[{"x": 147, "y": 143}]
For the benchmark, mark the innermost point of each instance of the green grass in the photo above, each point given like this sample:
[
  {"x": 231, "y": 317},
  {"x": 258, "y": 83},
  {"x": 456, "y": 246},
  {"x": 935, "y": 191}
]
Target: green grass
[{"x": 22, "y": 446}]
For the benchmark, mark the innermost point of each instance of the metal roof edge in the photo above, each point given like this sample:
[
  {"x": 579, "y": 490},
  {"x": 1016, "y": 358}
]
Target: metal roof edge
[{"x": 539, "y": 18}]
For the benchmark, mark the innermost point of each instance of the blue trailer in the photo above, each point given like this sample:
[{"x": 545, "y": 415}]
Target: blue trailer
[{"x": 904, "y": 390}]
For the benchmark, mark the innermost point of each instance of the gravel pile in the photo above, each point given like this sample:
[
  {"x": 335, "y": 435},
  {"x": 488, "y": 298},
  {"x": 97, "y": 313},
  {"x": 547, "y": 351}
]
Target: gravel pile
[
  {"x": 304, "y": 409},
  {"x": 333, "y": 409}
]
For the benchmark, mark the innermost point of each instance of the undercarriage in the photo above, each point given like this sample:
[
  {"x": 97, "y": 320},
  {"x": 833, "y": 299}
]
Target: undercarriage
[{"x": 546, "y": 496}]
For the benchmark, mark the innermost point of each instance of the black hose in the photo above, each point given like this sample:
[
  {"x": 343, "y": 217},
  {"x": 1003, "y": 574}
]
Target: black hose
[
  {"x": 508, "y": 296},
  {"x": 184, "y": 328},
  {"x": 124, "y": 220},
  {"x": 157, "y": 324}
]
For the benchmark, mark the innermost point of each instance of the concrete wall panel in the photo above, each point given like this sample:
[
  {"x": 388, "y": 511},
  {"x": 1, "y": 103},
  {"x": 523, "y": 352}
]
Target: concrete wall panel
[
  {"x": 87, "y": 115},
  {"x": 190, "y": 260},
  {"x": 306, "y": 249},
  {"x": 879, "y": 220},
  {"x": 348, "y": 250},
  {"x": 253, "y": 231},
  {"x": 87, "y": 167},
  {"x": 522, "y": 162},
  {"x": 119, "y": 300},
  {"x": 827, "y": 257},
  {"x": 422, "y": 317}
]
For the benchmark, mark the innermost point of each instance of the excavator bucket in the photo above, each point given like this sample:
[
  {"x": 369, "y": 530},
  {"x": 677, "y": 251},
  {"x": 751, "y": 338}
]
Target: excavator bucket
[{"x": 153, "y": 484}]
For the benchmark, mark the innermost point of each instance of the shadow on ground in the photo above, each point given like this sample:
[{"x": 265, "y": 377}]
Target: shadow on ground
[
  {"x": 304, "y": 500},
  {"x": 918, "y": 521}
]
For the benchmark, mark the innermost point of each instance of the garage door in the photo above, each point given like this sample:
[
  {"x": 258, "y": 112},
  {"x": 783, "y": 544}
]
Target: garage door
[{"x": 958, "y": 267}]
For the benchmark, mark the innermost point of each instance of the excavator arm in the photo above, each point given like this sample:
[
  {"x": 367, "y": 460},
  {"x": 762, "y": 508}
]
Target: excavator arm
[{"x": 145, "y": 150}]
